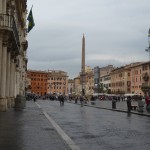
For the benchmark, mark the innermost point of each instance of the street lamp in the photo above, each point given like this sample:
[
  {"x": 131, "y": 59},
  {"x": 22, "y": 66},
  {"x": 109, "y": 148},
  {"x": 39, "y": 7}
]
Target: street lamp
[{"x": 148, "y": 50}]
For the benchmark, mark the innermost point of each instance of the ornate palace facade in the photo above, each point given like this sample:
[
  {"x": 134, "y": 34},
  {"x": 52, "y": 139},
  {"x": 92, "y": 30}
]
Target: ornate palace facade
[{"x": 13, "y": 46}]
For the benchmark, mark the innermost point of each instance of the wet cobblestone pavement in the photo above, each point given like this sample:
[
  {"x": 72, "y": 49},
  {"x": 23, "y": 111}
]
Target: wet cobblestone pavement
[
  {"x": 89, "y": 128},
  {"x": 28, "y": 130},
  {"x": 94, "y": 129}
]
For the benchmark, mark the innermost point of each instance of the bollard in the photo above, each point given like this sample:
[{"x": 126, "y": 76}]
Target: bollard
[
  {"x": 92, "y": 103},
  {"x": 113, "y": 104},
  {"x": 140, "y": 105},
  {"x": 148, "y": 107},
  {"x": 20, "y": 102}
]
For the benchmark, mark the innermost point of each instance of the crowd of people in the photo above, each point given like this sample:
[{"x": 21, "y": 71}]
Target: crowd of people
[{"x": 83, "y": 99}]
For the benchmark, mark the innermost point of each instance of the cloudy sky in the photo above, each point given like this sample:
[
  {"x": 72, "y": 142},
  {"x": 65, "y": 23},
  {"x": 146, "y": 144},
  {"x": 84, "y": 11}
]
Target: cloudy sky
[{"x": 116, "y": 32}]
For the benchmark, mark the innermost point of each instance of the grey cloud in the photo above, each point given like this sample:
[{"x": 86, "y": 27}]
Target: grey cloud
[{"x": 112, "y": 28}]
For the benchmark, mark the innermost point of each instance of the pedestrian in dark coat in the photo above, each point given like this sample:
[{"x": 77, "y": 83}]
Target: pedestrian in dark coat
[
  {"x": 61, "y": 99},
  {"x": 147, "y": 101},
  {"x": 81, "y": 100},
  {"x": 129, "y": 103}
]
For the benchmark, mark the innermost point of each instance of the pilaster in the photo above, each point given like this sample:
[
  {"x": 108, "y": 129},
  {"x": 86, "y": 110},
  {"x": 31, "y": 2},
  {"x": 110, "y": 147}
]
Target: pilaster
[
  {"x": 4, "y": 6},
  {"x": 3, "y": 100},
  {"x": 0, "y": 60},
  {"x": 12, "y": 86},
  {"x": 8, "y": 81},
  {"x": 1, "y": 6}
]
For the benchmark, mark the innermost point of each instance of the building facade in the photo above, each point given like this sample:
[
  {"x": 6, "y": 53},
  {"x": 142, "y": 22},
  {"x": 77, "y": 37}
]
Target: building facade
[
  {"x": 106, "y": 70},
  {"x": 13, "y": 46},
  {"x": 105, "y": 83},
  {"x": 119, "y": 80},
  {"x": 47, "y": 82},
  {"x": 136, "y": 79},
  {"x": 105, "y": 79},
  {"x": 77, "y": 86},
  {"x": 71, "y": 86},
  {"x": 127, "y": 79},
  {"x": 57, "y": 82},
  {"x": 89, "y": 85},
  {"x": 145, "y": 78},
  {"x": 38, "y": 81}
]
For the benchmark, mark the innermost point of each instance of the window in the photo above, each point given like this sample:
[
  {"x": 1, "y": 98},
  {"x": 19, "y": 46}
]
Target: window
[{"x": 120, "y": 75}]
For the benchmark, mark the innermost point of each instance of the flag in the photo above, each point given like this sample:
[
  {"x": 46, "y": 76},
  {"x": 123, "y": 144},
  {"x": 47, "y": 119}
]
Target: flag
[{"x": 31, "y": 21}]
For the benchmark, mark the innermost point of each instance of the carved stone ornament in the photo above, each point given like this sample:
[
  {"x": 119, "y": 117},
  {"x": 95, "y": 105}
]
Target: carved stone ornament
[{"x": 5, "y": 43}]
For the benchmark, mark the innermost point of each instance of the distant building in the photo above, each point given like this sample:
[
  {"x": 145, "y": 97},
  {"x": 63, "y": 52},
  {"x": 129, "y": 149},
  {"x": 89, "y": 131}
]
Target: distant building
[
  {"x": 57, "y": 82},
  {"x": 105, "y": 79},
  {"x": 93, "y": 79},
  {"x": 47, "y": 82},
  {"x": 106, "y": 70},
  {"x": 105, "y": 82},
  {"x": 89, "y": 85},
  {"x": 88, "y": 69},
  {"x": 121, "y": 79},
  {"x": 70, "y": 86},
  {"x": 136, "y": 78},
  {"x": 39, "y": 81},
  {"x": 77, "y": 86}
]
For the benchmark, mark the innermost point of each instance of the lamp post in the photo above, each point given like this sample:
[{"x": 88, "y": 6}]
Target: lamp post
[{"x": 148, "y": 50}]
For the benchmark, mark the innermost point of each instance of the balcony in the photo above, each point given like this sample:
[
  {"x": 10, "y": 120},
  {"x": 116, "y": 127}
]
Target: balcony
[
  {"x": 145, "y": 87},
  {"x": 8, "y": 26}
]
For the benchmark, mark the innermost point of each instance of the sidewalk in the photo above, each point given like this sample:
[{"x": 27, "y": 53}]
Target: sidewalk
[
  {"x": 28, "y": 129},
  {"x": 120, "y": 107}
]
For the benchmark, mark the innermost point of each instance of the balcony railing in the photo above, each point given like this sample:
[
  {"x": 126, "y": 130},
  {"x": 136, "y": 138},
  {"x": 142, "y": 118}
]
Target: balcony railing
[{"x": 7, "y": 22}]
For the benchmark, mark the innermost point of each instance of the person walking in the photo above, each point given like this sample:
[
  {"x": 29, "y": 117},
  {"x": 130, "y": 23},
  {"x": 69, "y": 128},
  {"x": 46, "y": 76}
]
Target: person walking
[
  {"x": 76, "y": 99},
  {"x": 34, "y": 98},
  {"x": 129, "y": 103},
  {"x": 81, "y": 100},
  {"x": 140, "y": 105},
  {"x": 62, "y": 100},
  {"x": 147, "y": 101}
]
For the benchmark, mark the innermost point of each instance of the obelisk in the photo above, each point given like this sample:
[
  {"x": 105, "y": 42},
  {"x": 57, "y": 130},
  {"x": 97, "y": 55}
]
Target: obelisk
[
  {"x": 83, "y": 55},
  {"x": 83, "y": 66}
]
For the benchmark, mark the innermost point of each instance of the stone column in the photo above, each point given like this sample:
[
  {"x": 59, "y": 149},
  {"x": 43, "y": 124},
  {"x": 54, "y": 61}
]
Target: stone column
[
  {"x": 0, "y": 60},
  {"x": 11, "y": 79},
  {"x": 4, "y": 6},
  {"x": 8, "y": 81},
  {"x": 12, "y": 75},
  {"x": 1, "y": 6},
  {"x": 14, "y": 82},
  {"x": 3, "y": 100}
]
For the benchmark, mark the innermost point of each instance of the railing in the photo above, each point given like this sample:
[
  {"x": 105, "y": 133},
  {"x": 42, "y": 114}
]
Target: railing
[{"x": 7, "y": 22}]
